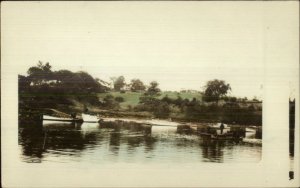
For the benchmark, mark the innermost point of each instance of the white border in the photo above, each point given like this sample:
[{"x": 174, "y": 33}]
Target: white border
[{"x": 283, "y": 24}]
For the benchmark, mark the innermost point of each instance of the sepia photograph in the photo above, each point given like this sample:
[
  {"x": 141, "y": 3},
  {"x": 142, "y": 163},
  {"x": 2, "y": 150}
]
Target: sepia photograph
[{"x": 149, "y": 94}]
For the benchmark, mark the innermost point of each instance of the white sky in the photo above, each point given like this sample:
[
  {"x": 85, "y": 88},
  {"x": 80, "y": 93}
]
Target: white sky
[{"x": 181, "y": 48}]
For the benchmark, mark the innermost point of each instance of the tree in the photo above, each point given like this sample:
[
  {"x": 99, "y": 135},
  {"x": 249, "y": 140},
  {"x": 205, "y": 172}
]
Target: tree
[
  {"x": 137, "y": 85},
  {"x": 167, "y": 99},
  {"x": 215, "y": 89},
  {"x": 162, "y": 110},
  {"x": 119, "y": 83},
  {"x": 109, "y": 102},
  {"x": 153, "y": 88},
  {"x": 64, "y": 77},
  {"x": 178, "y": 101},
  {"x": 255, "y": 99},
  {"x": 24, "y": 83},
  {"x": 111, "y": 84},
  {"x": 46, "y": 68},
  {"x": 40, "y": 73}
]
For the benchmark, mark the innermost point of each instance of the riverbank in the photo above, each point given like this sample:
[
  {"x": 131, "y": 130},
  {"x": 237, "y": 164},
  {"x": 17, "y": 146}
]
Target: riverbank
[
  {"x": 185, "y": 127},
  {"x": 34, "y": 114}
]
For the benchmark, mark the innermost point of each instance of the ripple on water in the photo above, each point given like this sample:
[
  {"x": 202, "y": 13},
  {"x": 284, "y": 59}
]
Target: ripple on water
[{"x": 96, "y": 144}]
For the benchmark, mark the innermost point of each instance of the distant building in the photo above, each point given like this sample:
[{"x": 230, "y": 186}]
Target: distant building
[
  {"x": 105, "y": 84},
  {"x": 43, "y": 82}
]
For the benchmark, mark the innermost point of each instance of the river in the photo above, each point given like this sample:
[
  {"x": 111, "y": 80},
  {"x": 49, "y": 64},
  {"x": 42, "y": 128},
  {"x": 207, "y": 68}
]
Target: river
[{"x": 116, "y": 142}]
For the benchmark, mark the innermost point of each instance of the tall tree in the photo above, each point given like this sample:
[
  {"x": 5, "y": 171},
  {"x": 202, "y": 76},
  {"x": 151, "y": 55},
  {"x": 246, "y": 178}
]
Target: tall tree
[
  {"x": 137, "y": 85},
  {"x": 38, "y": 74},
  {"x": 119, "y": 83},
  {"x": 153, "y": 88},
  {"x": 215, "y": 89},
  {"x": 112, "y": 82}
]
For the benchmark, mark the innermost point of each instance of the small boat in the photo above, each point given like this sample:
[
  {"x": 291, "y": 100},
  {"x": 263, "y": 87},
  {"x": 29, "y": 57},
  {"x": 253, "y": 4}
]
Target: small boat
[
  {"x": 49, "y": 118},
  {"x": 218, "y": 125},
  {"x": 53, "y": 118},
  {"x": 158, "y": 122},
  {"x": 226, "y": 136},
  {"x": 90, "y": 118},
  {"x": 217, "y": 128}
]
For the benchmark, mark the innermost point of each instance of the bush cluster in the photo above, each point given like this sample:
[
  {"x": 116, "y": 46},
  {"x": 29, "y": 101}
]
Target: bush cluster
[{"x": 194, "y": 110}]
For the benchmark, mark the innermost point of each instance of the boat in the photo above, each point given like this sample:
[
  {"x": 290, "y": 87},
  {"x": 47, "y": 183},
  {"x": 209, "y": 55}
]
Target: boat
[
  {"x": 214, "y": 133},
  {"x": 155, "y": 122},
  {"x": 53, "y": 118},
  {"x": 227, "y": 136},
  {"x": 49, "y": 118},
  {"x": 158, "y": 122},
  {"x": 90, "y": 118},
  {"x": 218, "y": 125}
]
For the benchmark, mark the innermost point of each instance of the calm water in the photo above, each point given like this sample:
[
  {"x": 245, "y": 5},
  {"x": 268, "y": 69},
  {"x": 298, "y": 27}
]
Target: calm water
[{"x": 119, "y": 142}]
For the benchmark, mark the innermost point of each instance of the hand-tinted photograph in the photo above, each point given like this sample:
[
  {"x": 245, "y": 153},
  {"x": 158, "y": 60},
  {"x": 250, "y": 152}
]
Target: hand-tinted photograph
[
  {"x": 150, "y": 93},
  {"x": 176, "y": 86}
]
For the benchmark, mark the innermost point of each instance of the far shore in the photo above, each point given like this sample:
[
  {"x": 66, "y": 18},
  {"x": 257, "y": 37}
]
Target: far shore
[{"x": 113, "y": 115}]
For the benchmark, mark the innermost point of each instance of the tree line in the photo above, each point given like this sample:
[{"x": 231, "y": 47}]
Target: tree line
[
  {"x": 69, "y": 82},
  {"x": 43, "y": 87}
]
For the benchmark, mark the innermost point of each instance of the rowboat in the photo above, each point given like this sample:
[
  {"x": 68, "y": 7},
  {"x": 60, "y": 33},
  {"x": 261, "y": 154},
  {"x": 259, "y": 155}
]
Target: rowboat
[
  {"x": 214, "y": 133},
  {"x": 220, "y": 136},
  {"x": 158, "y": 122},
  {"x": 217, "y": 127},
  {"x": 53, "y": 118},
  {"x": 48, "y": 118}
]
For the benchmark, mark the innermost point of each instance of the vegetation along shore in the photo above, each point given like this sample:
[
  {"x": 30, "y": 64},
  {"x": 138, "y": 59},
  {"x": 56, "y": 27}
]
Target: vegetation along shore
[{"x": 43, "y": 91}]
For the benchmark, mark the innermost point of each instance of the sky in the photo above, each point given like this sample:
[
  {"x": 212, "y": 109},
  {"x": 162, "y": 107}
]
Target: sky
[{"x": 180, "y": 45}]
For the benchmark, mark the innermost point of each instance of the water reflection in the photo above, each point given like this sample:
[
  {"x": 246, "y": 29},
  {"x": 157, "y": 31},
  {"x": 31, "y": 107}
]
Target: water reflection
[
  {"x": 212, "y": 150},
  {"x": 31, "y": 139},
  {"x": 125, "y": 142}
]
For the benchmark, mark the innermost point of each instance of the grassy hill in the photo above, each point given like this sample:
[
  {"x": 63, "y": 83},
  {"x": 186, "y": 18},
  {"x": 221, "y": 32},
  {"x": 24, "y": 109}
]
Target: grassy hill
[{"x": 132, "y": 98}]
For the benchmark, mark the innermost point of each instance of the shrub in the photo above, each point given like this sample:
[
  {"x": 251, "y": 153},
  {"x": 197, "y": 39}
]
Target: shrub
[
  {"x": 119, "y": 99},
  {"x": 129, "y": 107},
  {"x": 110, "y": 102},
  {"x": 162, "y": 110}
]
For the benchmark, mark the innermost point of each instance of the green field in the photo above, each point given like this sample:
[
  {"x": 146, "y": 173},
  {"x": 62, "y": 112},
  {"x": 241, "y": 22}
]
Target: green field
[{"x": 132, "y": 98}]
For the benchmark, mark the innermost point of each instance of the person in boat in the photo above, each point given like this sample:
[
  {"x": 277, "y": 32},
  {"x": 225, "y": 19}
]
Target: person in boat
[{"x": 222, "y": 128}]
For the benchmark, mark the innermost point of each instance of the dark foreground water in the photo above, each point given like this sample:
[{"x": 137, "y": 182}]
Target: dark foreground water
[{"x": 125, "y": 143}]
